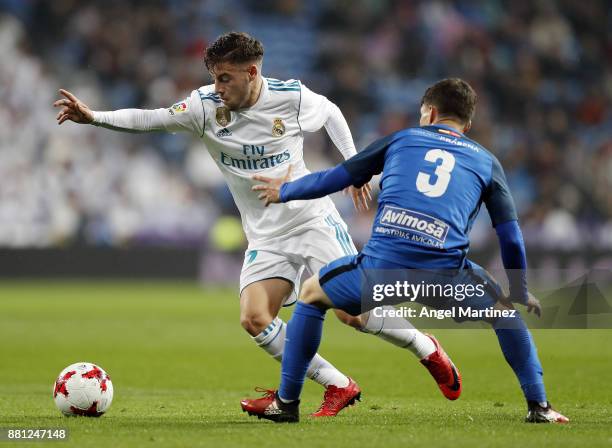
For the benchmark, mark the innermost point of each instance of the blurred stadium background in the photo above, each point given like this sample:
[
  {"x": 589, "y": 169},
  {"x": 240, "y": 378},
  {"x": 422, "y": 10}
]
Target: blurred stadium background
[{"x": 79, "y": 200}]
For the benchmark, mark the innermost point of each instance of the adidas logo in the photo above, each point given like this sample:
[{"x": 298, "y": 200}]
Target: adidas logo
[
  {"x": 225, "y": 132},
  {"x": 273, "y": 410}
]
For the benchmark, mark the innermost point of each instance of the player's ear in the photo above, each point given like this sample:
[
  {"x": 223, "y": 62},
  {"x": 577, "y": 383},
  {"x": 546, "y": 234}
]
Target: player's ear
[
  {"x": 433, "y": 114},
  {"x": 253, "y": 71}
]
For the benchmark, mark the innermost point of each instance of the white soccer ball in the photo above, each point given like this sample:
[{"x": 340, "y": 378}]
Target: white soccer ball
[{"x": 83, "y": 389}]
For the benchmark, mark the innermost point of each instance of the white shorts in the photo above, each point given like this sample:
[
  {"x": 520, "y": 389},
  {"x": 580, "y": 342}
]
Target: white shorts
[{"x": 303, "y": 251}]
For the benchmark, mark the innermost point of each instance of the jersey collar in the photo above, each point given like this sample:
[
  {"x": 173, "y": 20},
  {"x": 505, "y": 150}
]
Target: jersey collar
[{"x": 448, "y": 128}]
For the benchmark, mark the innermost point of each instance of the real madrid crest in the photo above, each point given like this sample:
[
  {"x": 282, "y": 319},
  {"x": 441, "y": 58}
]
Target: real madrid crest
[
  {"x": 278, "y": 128},
  {"x": 222, "y": 116}
]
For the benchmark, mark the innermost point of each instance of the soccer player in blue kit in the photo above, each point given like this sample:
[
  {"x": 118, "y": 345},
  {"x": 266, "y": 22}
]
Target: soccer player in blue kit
[{"x": 434, "y": 180}]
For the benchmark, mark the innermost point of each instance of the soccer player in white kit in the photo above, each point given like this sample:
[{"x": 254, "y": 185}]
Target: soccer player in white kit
[{"x": 254, "y": 125}]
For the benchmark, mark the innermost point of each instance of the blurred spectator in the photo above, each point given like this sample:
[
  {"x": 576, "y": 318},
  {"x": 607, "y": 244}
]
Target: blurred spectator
[{"x": 542, "y": 70}]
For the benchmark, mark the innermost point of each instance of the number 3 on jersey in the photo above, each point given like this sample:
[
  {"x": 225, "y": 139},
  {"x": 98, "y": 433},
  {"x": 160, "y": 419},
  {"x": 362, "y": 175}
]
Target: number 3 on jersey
[{"x": 443, "y": 171}]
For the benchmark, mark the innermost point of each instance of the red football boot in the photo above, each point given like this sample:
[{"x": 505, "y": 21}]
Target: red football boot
[
  {"x": 337, "y": 398},
  {"x": 253, "y": 405},
  {"x": 443, "y": 371},
  {"x": 271, "y": 408}
]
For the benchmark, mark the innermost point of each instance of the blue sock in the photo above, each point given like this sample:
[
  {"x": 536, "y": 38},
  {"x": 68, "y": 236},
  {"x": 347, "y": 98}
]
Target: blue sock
[
  {"x": 301, "y": 344},
  {"x": 521, "y": 353}
]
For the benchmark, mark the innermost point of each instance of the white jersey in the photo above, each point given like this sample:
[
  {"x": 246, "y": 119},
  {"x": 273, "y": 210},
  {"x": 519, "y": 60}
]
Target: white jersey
[{"x": 263, "y": 139}]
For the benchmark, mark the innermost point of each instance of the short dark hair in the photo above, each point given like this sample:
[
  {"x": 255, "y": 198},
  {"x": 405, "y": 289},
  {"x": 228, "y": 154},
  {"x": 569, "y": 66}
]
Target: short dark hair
[
  {"x": 452, "y": 97},
  {"x": 234, "y": 48}
]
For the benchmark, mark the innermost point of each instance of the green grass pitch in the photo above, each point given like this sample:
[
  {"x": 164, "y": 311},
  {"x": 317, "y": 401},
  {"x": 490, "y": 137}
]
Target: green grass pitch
[{"x": 180, "y": 363}]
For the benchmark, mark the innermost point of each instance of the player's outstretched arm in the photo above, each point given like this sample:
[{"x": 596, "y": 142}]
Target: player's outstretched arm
[
  {"x": 179, "y": 117},
  {"x": 312, "y": 186},
  {"x": 356, "y": 171},
  {"x": 73, "y": 109}
]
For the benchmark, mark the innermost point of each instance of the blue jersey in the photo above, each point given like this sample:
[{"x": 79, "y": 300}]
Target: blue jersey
[{"x": 433, "y": 183}]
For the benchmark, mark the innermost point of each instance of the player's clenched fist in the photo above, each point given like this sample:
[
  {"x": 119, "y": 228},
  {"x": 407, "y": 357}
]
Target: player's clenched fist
[
  {"x": 270, "y": 189},
  {"x": 73, "y": 109}
]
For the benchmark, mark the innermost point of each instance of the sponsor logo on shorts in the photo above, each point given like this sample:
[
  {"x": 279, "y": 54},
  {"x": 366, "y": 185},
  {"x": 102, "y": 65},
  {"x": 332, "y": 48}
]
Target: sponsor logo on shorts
[{"x": 410, "y": 220}]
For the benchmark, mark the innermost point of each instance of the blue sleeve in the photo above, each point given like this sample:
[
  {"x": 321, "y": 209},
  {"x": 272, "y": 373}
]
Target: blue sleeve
[
  {"x": 497, "y": 196},
  {"x": 316, "y": 185},
  {"x": 365, "y": 164},
  {"x": 514, "y": 259},
  {"x": 356, "y": 171}
]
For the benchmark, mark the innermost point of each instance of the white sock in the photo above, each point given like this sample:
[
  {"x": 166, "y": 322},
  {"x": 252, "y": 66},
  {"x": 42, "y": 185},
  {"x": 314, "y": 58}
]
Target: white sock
[
  {"x": 272, "y": 340},
  {"x": 400, "y": 332}
]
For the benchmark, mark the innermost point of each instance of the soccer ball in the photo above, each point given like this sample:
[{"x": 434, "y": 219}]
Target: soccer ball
[{"x": 83, "y": 389}]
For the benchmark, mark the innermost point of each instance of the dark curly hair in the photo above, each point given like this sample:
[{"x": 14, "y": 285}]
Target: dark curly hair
[
  {"x": 234, "y": 48},
  {"x": 452, "y": 97}
]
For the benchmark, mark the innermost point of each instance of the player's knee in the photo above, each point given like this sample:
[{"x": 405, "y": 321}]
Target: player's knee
[{"x": 254, "y": 322}]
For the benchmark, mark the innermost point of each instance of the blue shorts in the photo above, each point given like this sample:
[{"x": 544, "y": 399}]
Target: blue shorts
[{"x": 343, "y": 281}]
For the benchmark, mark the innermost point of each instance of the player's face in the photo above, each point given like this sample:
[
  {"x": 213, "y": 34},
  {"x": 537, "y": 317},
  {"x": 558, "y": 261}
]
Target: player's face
[{"x": 234, "y": 83}]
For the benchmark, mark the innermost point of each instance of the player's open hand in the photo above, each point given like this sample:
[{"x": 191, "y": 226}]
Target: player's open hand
[
  {"x": 270, "y": 189},
  {"x": 73, "y": 109},
  {"x": 360, "y": 196},
  {"x": 533, "y": 304}
]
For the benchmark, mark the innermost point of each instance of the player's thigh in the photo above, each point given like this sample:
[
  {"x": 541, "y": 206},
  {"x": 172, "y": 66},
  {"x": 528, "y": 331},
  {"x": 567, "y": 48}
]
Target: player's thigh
[
  {"x": 265, "y": 297},
  {"x": 267, "y": 281},
  {"x": 340, "y": 280},
  {"x": 270, "y": 263}
]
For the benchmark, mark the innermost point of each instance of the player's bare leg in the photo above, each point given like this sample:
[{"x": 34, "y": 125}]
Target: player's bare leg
[
  {"x": 260, "y": 303},
  {"x": 273, "y": 407}
]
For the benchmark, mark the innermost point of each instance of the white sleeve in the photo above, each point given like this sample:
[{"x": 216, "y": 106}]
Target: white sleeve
[
  {"x": 338, "y": 130},
  {"x": 316, "y": 111},
  {"x": 185, "y": 115}
]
